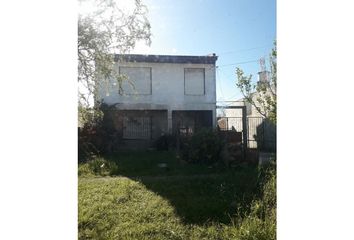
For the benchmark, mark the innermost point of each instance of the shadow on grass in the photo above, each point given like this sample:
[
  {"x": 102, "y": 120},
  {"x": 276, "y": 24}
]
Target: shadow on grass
[{"x": 198, "y": 194}]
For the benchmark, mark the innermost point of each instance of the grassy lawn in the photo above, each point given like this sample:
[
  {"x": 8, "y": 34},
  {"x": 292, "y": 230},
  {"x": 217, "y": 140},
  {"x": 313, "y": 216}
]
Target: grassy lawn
[{"x": 143, "y": 201}]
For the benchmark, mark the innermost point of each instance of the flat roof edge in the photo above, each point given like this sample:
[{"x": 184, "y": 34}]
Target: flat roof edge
[{"x": 165, "y": 58}]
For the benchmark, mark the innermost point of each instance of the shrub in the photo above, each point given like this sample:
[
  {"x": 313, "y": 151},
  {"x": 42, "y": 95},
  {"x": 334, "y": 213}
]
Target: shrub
[
  {"x": 165, "y": 142},
  {"x": 203, "y": 147},
  {"x": 86, "y": 147},
  {"x": 99, "y": 135}
]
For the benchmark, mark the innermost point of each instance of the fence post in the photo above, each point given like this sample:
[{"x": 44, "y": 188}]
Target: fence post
[
  {"x": 244, "y": 130},
  {"x": 178, "y": 143},
  {"x": 264, "y": 133}
]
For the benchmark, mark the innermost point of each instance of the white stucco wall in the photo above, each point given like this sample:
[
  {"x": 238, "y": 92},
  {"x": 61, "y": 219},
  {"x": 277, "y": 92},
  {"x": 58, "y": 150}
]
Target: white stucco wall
[
  {"x": 167, "y": 89},
  {"x": 251, "y": 110}
]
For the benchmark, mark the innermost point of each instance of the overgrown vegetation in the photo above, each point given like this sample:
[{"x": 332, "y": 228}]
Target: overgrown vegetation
[
  {"x": 260, "y": 222},
  {"x": 145, "y": 163},
  {"x": 203, "y": 147},
  {"x": 99, "y": 135},
  {"x": 99, "y": 167},
  {"x": 165, "y": 142},
  {"x": 184, "y": 202}
]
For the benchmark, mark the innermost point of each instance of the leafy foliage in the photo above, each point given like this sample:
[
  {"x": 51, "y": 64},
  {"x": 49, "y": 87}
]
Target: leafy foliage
[
  {"x": 106, "y": 29},
  {"x": 262, "y": 95},
  {"x": 203, "y": 147},
  {"x": 165, "y": 142},
  {"x": 98, "y": 135}
]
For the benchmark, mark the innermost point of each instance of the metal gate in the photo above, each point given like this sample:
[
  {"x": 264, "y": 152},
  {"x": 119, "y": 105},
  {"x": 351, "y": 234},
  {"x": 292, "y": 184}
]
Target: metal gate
[{"x": 261, "y": 133}]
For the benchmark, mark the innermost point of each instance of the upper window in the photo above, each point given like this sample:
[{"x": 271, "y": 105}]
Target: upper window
[
  {"x": 194, "y": 81},
  {"x": 138, "y": 82}
]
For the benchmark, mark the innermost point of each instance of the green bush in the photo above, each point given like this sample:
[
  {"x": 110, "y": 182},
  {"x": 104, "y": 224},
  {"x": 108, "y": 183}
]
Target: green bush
[
  {"x": 203, "y": 147},
  {"x": 165, "y": 142},
  {"x": 86, "y": 147},
  {"x": 99, "y": 135}
]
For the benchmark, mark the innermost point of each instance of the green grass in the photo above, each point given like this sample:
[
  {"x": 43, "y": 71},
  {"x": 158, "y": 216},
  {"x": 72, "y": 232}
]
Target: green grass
[{"x": 186, "y": 202}]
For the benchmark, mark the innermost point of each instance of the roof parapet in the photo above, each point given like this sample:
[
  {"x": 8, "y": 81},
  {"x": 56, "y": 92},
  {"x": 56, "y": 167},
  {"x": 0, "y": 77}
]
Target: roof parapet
[{"x": 166, "y": 58}]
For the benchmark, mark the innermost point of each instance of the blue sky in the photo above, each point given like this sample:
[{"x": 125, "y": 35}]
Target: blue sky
[{"x": 236, "y": 30}]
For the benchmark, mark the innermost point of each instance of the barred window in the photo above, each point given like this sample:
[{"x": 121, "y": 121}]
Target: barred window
[{"x": 137, "y": 128}]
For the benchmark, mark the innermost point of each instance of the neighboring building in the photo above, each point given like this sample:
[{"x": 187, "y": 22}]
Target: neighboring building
[
  {"x": 163, "y": 93},
  {"x": 261, "y": 133}
]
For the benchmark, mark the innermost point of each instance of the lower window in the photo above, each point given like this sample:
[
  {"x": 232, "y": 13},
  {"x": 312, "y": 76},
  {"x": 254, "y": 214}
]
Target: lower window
[{"x": 137, "y": 128}]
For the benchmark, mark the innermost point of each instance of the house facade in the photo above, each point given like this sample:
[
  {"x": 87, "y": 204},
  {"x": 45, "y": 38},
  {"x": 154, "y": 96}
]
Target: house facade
[{"x": 162, "y": 93}]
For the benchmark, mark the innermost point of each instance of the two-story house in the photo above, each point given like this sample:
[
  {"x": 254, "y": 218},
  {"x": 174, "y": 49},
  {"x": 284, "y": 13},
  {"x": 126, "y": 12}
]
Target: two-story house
[{"x": 162, "y": 93}]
